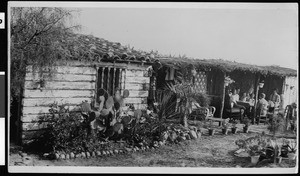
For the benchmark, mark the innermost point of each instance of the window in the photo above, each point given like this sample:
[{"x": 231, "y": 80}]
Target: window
[{"x": 110, "y": 79}]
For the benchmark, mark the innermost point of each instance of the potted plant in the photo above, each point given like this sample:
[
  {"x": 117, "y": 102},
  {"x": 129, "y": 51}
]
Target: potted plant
[
  {"x": 234, "y": 128},
  {"x": 255, "y": 152},
  {"x": 292, "y": 145},
  {"x": 247, "y": 123},
  {"x": 284, "y": 148},
  {"x": 225, "y": 127},
  {"x": 277, "y": 151},
  {"x": 276, "y": 125},
  {"x": 211, "y": 130}
]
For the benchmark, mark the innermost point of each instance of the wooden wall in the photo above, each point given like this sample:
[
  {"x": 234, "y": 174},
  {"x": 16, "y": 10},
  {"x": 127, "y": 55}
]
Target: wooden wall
[
  {"x": 71, "y": 85},
  {"x": 290, "y": 88}
]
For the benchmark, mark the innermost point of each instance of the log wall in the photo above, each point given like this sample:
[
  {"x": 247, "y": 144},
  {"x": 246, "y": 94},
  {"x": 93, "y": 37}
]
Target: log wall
[{"x": 71, "y": 85}]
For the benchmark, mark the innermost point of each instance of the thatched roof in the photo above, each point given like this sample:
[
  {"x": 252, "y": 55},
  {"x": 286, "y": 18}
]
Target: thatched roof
[
  {"x": 81, "y": 47},
  {"x": 227, "y": 66},
  {"x": 87, "y": 47}
]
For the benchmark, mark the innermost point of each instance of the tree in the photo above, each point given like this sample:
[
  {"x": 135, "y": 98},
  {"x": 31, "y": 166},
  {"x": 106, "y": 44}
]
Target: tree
[{"x": 37, "y": 39}]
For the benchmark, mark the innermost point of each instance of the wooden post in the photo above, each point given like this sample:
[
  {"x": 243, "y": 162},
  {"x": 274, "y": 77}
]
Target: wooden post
[
  {"x": 223, "y": 97},
  {"x": 256, "y": 96}
]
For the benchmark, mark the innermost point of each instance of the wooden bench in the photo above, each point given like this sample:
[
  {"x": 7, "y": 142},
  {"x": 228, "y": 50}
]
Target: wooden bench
[{"x": 220, "y": 120}]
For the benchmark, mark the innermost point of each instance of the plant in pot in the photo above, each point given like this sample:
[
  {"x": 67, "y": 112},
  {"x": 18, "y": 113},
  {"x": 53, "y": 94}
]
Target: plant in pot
[
  {"x": 292, "y": 145},
  {"x": 247, "y": 123},
  {"x": 255, "y": 152},
  {"x": 225, "y": 127},
  {"x": 211, "y": 130},
  {"x": 234, "y": 128},
  {"x": 276, "y": 125},
  {"x": 284, "y": 148}
]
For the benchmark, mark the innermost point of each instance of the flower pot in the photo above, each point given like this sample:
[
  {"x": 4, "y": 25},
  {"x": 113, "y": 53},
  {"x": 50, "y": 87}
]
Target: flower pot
[
  {"x": 245, "y": 129},
  {"x": 233, "y": 130},
  {"x": 211, "y": 132},
  {"x": 254, "y": 159},
  {"x": 224, "y": 131},
  {"x": 284, "y": 151},
  {"x": 292, "y": 156}
]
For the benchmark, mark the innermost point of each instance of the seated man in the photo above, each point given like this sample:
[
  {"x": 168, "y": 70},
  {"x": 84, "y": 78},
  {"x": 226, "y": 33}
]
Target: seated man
[
  {"x": 234, "y": 98},
  {"x": 245, "y": 97},
  {"x": 230, "y": 105}
]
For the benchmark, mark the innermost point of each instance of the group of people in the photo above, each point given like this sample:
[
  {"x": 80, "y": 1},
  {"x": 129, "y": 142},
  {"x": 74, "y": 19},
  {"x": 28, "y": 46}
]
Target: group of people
[{"x": 263, "y": 106}]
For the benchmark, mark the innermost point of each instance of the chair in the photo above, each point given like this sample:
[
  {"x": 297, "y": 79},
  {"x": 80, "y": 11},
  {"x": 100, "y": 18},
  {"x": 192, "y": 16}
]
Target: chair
[
  {"x": 234, "y": 113},
  {"x": 263, "y": 118},
  {"x": 202, "y": 113}
]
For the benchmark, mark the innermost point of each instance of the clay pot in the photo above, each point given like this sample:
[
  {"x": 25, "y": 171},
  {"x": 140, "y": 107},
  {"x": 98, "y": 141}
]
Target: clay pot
[
  {"x": 211, "y": 132},
  {"x": 233, "y": 130},
  {"x": 254, "y": 159},
  {"x": 292, "y": 156},
  {"x": 224, "y": 131}
]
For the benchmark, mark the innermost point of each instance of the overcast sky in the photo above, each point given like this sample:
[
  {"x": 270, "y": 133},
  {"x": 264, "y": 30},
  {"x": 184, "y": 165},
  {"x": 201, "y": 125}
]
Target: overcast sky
[{"x": 261, "y": 35}]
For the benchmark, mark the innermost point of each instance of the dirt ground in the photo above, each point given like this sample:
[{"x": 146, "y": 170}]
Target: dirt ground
[{"x": 207, "y": 151}]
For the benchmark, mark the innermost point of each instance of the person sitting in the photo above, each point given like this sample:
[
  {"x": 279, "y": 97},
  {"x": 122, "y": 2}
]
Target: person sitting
[
  {"x": 231, "y": 108},
  {"x": 234, "y": 98},
  {"x": 244, "y": 97},
  {"x": 274, "y": 100},
  {"x": 251, "y": 99}
]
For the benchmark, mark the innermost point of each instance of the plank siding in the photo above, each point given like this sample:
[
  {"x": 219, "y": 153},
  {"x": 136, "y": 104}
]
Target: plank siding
[
  {"x": 72, "y": 84},
  {"x": 68, "y": 70},
  {"x": 58, "y": 93},
  {"x": 62, "y": 85},
  {"x": 49, "y": 101},
  {"x": 61, "y": 77}
]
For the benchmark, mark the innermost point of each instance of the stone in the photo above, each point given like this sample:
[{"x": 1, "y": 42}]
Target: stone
[
  {"x": 111, "y": 152},
  {"x": 72, "y": 155},
  {"x": 83, "y": 155},
  {"x": 27, "y": 160},
  {"x": 78, "y": 155},
  {"x": 188, "y": 137},
  {"x": 182, "y": 138},
  {"x": 103, "y": 152},
  {"x": 56, "y": 156},
  {"x": 93, "y": 154},
  {"x": 67, "y": 156},
  {"x": 98, "y": 153},
  {"x": 62, "y": 156},
  {"x": 88, "y": 155},
  {"x": 199, "y": 134},
  {"x": 172, "y": 136},
  {"x": 116, "y": 151},
  {"x": 23, "y": 154},
  {"x": 128, "y": 149},
  {"x": 164, "y": 136},
  {"x": 193, "y": 134}
]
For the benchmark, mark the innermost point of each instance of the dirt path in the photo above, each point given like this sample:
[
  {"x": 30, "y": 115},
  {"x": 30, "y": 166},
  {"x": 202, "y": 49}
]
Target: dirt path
[{"x": 208, "y": 151}]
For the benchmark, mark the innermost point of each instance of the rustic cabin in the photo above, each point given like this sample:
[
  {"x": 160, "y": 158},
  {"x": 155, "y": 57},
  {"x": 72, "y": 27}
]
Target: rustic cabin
[
  {"x": 102, "y": 64},
  {"x": 95, "y": 63}
]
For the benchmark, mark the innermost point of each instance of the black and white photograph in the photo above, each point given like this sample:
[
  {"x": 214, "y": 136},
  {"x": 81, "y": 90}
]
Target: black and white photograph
[{"x": 152, "y": 87}]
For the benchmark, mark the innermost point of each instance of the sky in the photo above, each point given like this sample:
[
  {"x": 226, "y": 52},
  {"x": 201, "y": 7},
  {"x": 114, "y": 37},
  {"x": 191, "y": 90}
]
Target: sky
[{"x": 260, "y": 35}]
